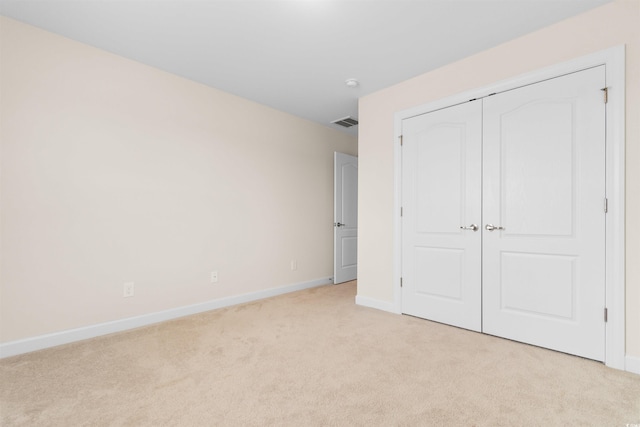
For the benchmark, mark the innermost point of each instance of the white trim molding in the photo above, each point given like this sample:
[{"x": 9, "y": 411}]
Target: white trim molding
[
  {"x": 632, "y": 364},
  {"x": 614, "y": 61},
  {"x": 377, "y": 304},
  {"x": 41, "y": 342}
]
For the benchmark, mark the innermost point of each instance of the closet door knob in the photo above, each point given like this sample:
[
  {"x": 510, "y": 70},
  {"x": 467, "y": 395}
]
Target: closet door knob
[
  {"x": 491, "y": 227},
  {"x": 473, "y": 227}
]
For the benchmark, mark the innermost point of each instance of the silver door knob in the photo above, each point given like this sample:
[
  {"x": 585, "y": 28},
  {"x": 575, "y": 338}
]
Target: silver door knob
[
  {"x": 339, "y": 224},
  {"x": 491, "y": 227},
  {"x": 473, "y": 227}
]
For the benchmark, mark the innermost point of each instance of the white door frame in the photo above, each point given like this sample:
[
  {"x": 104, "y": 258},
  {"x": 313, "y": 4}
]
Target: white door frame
[
  {"x": 614, "y": 60},
  {"x": 342, "y": 232}
]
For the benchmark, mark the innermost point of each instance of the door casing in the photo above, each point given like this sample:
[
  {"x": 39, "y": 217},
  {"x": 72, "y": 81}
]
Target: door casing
[
  {"x": 614, "y": 60},
  {"x": 345, "y": 217}
]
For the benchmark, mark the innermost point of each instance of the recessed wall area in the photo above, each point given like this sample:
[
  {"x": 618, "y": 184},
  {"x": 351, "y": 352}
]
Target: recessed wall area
[
  {"x": 611, "y": 25},
  {"x": 116, "y": 172}
]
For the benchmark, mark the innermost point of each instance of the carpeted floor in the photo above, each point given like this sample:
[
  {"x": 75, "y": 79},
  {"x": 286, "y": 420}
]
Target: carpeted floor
[{"x": 310, "y": 358}]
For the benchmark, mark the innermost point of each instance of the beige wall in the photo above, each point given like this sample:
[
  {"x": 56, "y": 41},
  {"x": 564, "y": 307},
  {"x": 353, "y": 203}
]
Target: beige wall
[
  {"x": 112, "y": 171},
  {"x": 610, "y": 25}
]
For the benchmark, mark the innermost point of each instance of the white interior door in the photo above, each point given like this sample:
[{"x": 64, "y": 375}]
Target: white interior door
[
  {"x": 345, "y": 218},
  {"x": 544, "y": 183},
  {"x": 441, "y": 203}
]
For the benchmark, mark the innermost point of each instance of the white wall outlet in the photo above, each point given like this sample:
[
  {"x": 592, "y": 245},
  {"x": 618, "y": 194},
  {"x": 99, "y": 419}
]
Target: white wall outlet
[
  {"x": 294, "y": 264},
  {"x": 214, "y": 277},
  {"x": 127, "y": 290}
]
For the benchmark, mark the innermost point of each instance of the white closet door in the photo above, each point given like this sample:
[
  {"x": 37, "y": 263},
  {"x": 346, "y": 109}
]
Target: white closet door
[
  {"x": 544, "y": 183},
  {"x": 441, "y": 192}
]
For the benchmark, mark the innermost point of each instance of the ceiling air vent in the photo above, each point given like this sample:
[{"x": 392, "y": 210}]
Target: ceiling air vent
[{"x": 346, "y": 122}]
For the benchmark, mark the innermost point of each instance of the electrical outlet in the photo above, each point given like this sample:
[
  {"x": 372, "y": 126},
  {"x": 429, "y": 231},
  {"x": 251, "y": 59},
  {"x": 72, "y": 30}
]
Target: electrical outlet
[
  {"x": 214, "y": 277},
  {"x": 128, "y": 290},
  {"x": 294, "y": 264}
]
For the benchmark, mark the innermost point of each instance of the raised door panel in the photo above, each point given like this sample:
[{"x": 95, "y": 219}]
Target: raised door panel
[
  {"x": 544, "y": 184},
  {"x": 441, "y": 191},
  {"x": 345, "y": 229},
  {"x": 349, "y": 193}
]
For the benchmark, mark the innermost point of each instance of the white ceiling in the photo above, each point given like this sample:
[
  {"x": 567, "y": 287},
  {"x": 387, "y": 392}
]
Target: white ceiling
[{"x": 295, "y": 55}]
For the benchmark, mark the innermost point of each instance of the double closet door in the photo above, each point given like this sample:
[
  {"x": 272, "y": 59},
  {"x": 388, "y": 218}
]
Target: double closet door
[{"x": 503, "y": 226}]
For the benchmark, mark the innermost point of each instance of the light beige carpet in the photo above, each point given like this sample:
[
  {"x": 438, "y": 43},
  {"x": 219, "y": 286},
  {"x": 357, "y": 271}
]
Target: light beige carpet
[{"x": 311, "y": 358}]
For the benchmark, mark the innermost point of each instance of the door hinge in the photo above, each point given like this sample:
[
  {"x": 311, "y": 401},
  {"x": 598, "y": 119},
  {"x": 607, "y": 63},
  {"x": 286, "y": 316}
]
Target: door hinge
[
  {"x": 401, "y": 282},
  {"x": 401, "y": 140},
  {"x": 606, "y": 315},
  {"x": 401, "y": 211},
  {"x": 606, "y": 94},
  {"x": 606, "y": 205}
]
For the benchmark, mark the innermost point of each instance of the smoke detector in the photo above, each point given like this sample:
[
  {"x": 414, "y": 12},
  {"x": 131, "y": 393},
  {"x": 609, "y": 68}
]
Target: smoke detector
[
  {"x": 346, "y": 122},
  {"x": 352, "y": 83}
]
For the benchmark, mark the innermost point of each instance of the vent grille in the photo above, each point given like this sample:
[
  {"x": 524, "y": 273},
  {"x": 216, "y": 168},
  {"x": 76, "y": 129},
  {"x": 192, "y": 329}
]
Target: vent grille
[{"x": 346, "y": 122}]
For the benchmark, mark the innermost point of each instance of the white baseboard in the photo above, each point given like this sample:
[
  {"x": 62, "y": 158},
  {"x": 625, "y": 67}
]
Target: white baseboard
[
  {"x": 632, "y": 364},
  {"x": 27, "y": 345},
  {"x": 377, "y": 304}
]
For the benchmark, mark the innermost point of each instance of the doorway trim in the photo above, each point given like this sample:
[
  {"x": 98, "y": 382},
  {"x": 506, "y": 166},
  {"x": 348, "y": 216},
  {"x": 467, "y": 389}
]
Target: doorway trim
[
  {"x": 614, "y": 60},
  {"x": 348, "y": 214}
]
